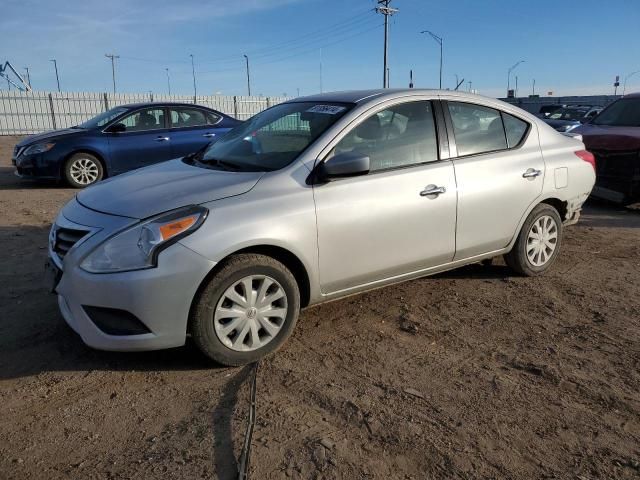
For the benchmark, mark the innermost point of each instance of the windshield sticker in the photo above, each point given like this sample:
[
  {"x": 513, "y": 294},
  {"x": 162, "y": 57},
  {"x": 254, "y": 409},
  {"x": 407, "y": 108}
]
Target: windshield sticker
[{"x": 328, "y": 109}]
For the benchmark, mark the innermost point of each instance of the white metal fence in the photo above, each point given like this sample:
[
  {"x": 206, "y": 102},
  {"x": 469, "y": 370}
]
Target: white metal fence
[{"x": 34, "y": 112}]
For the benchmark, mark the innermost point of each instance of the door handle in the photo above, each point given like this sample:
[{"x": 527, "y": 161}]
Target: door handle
[
  {"x": 531, "y": 173},
  {"x": 432, "y": 190},
  {"x": 162, "y": 139},
  {"x": 209, "y": 135}
]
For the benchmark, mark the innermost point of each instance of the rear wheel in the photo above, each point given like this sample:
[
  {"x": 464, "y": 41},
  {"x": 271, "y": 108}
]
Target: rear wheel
[
  {"x": 82, "y": 170},
  {"x": 538, "y": 243},
  {"x": 247, "y": 311}
]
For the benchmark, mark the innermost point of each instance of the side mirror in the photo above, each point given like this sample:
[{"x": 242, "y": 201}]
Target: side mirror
[
  {"x": 346, "y": 164},
  {"x": 117, "y": 128}
]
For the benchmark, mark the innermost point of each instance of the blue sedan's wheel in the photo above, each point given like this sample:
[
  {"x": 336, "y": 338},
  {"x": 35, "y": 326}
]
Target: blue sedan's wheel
[{"x": 82, "y": 170}]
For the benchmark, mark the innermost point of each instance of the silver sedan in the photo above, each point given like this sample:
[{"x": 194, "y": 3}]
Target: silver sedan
[{"x": 308, "y": 201}]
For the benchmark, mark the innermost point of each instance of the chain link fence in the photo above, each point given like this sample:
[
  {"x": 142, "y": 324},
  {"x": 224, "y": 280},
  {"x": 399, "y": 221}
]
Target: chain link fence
[{"x": 23, "y": 113}]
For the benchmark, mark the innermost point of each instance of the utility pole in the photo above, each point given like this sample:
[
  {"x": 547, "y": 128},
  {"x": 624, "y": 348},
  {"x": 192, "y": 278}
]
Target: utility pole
[
  {"x": 469, "y": 85},
  {"x": 113, "y": 68},
  {"x": 516, "y": 92},
  {"x": 248, "y": 77},
  {"x": 386, "y": 10},
  {"x": 28, "y": 76},
  {"x": 298, "y": 90},
  {"x": 509, "y": 75},
  {"x": 439, "y": 40},
  {"x": 533, "y": 88},
  {"x": 193, "y": 71},
  {"x": 55, "y": 65},
  {"x": 321, "y": 70},
  {"x": 168, "y": 81},
  {"x": 410, "y": 78},
  {"x": 388, "y": 74}
]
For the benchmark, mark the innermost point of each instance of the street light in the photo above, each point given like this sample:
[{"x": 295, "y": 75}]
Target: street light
[
  {"x": 624, "y": 87},
  {"x": 193, "y": 71},
  {"x": 439, "y": 40},
  {"x": 248, "y": 77},
  {"x": 55, "y": 65},
  {"x": 511, "y": 69},
  {"x": 168, "y": 81}
]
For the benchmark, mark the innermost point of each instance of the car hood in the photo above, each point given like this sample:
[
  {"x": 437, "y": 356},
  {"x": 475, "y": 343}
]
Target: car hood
[
  {"x": 158, "y": 188},
  {"x": 603, "y": 137},
  {"x": 51, "y": 135}
]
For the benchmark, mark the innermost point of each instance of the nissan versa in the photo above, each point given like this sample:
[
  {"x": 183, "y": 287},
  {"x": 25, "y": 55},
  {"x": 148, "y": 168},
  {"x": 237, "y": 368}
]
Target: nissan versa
[{"x": 308, "y": 201}]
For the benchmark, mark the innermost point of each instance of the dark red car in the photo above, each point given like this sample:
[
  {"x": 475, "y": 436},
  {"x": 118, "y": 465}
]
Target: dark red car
[{"x": 614, "y": 138}]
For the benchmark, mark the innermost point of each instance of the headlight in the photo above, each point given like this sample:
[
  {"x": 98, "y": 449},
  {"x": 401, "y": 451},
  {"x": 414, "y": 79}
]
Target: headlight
[
  {"x": 38, "y": 148},
  {"x": 138, "y": 247}
]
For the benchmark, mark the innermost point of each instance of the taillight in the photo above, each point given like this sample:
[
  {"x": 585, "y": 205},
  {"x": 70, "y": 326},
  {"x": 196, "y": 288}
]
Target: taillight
[{"x": 587, "y": 157}]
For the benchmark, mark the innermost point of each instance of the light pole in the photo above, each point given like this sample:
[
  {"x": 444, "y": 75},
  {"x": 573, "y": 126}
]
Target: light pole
[
  {"x": 624, "y": 86},
  {"x": 248, "y": 77},
  {"x": 26, "y": 69},
  {"x": 55, "y": 65},
  {"x": 469, "y": 85},
  {"x": 168, "y": 80},
  {"x": 193, "y": 71},
  {"x": 113, "y": 68},
  {"x": 457, "y": 81},
  {"x": 533, "y": 88},
  {"x": 439, "y": 40},
  {"x": 509, "y": 75}
]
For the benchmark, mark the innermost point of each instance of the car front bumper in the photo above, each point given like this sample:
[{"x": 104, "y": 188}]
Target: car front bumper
[
  {"x": 36, "y": 167},
  {"x": 160, "y": 298}
]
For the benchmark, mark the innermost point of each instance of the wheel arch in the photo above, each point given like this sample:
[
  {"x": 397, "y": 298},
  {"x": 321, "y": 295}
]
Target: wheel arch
[
  {"x": 284, "y": 256},
  {"x": 560, "y": 205}
]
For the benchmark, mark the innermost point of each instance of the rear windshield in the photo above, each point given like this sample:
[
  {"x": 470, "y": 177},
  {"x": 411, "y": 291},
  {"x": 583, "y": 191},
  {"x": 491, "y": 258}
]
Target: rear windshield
[{"x": 622, "y": 113}]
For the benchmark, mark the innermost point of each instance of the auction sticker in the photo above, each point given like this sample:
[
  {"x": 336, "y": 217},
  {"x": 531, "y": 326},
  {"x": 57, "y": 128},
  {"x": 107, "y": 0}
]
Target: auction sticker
[{"x": 328, "y": 109}]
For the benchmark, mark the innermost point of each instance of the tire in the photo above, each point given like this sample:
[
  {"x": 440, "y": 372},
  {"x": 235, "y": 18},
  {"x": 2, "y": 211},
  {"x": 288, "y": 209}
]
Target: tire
[
  {"x": 82, "y": 170},
  {"x": 522, "y": 258},
  {"x": 234, "y": 344}
]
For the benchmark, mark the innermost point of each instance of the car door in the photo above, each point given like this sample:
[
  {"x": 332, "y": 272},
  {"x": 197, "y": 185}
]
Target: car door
[
  {"x": 139, "y": 139},
  {"x": 499, "y": 170},
  {"x": 192, "y": 128},
  {"x": 387, "y": 223}
]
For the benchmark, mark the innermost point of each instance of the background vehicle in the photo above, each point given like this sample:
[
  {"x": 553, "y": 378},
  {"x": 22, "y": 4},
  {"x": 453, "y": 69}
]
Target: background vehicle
[
  {"x": 546, "y": 110},
  {"x": 614, "y": 138},
  {"x": 119, "y": 140},
  {"x": 310, "y": 200},
  {"x": 564, "y": 119}
]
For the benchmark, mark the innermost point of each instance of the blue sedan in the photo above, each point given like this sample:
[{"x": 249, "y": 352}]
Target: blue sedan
[{"x": 118, "y": 140}]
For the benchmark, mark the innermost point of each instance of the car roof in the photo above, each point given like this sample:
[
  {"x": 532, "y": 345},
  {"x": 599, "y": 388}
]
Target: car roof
[
  {"x": 361, "y": 96},
  {"x": 163, "y": 104},
  {"x": 632, "y": 95}
]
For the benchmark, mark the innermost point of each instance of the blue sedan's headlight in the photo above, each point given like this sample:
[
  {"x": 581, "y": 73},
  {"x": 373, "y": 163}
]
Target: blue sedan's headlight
[
  {"x": 138, "y": 247},
  {"x": 38, "y": 148}
]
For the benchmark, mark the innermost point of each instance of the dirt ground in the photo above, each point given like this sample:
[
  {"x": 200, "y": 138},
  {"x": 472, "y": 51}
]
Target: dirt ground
[{"x": 470, "y": 374}]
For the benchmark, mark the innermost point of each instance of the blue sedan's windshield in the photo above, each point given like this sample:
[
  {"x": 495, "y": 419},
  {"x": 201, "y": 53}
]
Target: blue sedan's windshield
[
  {"x": 104, "y": 118},
  {"x": 274, "y": 138}
]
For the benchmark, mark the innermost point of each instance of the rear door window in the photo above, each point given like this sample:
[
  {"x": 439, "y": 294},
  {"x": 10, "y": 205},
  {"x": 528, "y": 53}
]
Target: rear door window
[
  {"x": 515, "y": 129},
  {"x": 191, "y": 117},
  {"x": 477, "y": 129}
]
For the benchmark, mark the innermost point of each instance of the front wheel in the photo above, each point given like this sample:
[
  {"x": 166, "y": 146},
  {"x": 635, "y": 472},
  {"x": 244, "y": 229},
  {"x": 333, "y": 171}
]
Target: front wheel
[
  {"x": 82, "y": 170},
  {"x": 538, "y": 243},
  {"x": 247, "y": 311}
]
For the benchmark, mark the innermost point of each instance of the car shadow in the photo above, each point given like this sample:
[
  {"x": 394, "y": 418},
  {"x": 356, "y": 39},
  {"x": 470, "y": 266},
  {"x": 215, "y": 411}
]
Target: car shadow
[
  {"x": 10, "y": 181},
  {"x": 602, "y": 214}
]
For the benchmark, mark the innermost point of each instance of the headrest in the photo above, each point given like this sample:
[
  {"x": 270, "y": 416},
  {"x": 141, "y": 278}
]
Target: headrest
[{"x": 370, "y": 129}]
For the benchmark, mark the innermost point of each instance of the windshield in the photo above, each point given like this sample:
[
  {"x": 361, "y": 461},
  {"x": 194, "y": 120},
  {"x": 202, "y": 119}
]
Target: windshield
[
  {"x": 274, "y": 138},
  {"x": 104, "y": 118},
  {"x": 623, "y": 113},
  {"x": 568, "y": 114}
]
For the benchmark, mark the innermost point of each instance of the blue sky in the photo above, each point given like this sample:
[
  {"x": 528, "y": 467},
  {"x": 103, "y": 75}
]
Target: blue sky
[{"x": 569, "y": 47}]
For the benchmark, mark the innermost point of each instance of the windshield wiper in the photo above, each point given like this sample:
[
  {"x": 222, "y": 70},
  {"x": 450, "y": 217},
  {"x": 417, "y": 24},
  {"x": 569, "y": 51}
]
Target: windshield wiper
[{"x": 221, "y": 163}]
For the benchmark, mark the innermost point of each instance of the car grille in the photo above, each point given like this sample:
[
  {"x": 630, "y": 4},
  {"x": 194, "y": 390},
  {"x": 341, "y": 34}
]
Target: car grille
[
  {"x": 617, "y": 164},
  {"x": 65, "y": 238}
]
